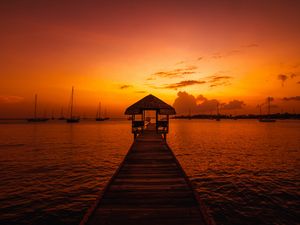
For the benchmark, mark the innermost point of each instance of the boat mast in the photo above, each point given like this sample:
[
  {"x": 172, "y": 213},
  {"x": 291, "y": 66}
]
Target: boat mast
[
  {"x": 72, "y": 96},
  {"x": 35, "y": 106},
  {"x": 99, "y": 109},
  {"x": 269, "y": 99},
  {"x": 259, "y": 110}
]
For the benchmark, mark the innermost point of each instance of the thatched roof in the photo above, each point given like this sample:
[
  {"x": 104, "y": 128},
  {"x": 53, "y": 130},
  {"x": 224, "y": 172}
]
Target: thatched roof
[{"x": 150, "y": 102}]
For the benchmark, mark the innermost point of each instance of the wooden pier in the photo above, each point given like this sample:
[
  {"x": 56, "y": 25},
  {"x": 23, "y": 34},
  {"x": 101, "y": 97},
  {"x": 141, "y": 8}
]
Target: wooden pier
[{"x": 149, "y": 187}]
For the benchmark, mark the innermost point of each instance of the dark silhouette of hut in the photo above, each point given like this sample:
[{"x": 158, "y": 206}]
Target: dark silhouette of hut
[{"x": 152, "y": 103}]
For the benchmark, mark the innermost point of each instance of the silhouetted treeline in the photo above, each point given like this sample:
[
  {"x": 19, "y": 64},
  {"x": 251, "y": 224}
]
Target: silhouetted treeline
[{"x": 248, "y": 116}]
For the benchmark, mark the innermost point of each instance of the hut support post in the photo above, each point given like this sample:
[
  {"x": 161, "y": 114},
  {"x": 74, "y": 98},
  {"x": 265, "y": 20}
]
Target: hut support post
[
  {"x": 143, "y": 117},
  {"x": 168, "y": 124},
  {"x": 132, "y": 122},
  {"x": 156, "y": 120}
]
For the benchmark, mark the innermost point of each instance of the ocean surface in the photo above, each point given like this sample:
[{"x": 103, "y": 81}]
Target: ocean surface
[{"x": 245, "y": 171}]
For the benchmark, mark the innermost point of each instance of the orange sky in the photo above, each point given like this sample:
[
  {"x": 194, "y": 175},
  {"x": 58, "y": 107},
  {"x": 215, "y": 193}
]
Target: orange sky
[{"x": 119, "y": 51}]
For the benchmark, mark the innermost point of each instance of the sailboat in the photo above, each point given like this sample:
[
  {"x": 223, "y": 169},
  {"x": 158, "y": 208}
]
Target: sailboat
[
  {"x": 72, "y": 119},
  {"x": 267, "y": 120},
  {"x": 98, "y": 116},
  {"x": 35, "y": 118}
]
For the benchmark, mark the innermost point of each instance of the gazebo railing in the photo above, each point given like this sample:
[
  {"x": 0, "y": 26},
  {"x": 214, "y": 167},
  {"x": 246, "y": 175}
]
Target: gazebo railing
[
  {"x": 162, "y": 126},
  {"x": 138, "y": 125}
]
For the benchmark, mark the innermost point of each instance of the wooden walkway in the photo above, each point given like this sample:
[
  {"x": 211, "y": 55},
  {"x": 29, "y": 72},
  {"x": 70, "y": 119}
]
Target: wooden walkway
[{"x": 149, "y": 187}]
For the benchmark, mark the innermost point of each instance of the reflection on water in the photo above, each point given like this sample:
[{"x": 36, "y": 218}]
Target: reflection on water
[
  {"x": 246, "y": 172},
  {"x": 51, "y": 173}
]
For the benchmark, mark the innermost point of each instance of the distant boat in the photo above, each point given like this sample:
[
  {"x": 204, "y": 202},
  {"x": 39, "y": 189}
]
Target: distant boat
[
  {"x": 267, "y": 120},
  {"x": 72, "y": 119},
  {"x": 98, "y": 116},
  {"x": 35, "y": 118}
]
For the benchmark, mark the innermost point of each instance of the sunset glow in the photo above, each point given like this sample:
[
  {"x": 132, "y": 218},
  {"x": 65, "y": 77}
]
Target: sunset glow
[{"x": 117, "y": 52}]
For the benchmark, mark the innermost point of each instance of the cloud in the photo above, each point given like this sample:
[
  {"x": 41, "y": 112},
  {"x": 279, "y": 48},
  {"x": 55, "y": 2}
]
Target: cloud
[
  {"x": 293, "y": 98},
  {"x": 199, "y": 58},
  {"x": 140, "y": 92},
  {"x": 201, "y": 98},
  {"x": 10, "y": 99},
  {"x": 180, "y": 62},
  {"x": 283, "y": 78},
  {"x": 293, "y": 75},
  {"x": 233, "y": 52},
  {"x": 175, "y": 73},
  {"x": 185, "y": 103},
  {"x": 183, "y": 83},
  {"x": 253, "y": 45},
  {"x": 207, "y": 105},
  {"x": 298, "y": 82},
  {"x": 217, "y": 55},
  {"x": 218, "y": 80},
  {"x": 125, "y": 86},
  {"x": 235, "y": 104}
]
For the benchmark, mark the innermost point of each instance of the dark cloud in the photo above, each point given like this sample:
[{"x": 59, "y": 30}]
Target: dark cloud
[
  {"x": 208, "y": 105},
  {"x": 214, "y": 79},
  {"x": 298, "y": 82},
  {"x": 186, "y": 102},
  {"x": 140, "y": 92},
  {"x": 125, "y": 86},
  {"x": 293, "y": 98},
  {"x": 235, "y": 104},
  {"x": 293, "y": 75},
  {"x": 201, "y": 98},
  {"x": 219, "y": 84},
  {"x": 282, "y": 78},
  {"x": 176, "y": 73},
  {"x": 199, "y": 58},
  {"x": 183, "y": 83},
  {"x": 218, "y": 80}
]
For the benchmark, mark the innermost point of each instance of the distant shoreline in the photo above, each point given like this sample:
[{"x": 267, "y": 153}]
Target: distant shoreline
[{"x": 249, "y": 116}]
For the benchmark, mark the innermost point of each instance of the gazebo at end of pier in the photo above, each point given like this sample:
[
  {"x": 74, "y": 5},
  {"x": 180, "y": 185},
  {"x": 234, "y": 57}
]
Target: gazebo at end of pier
[{"x": 150, "y": 103}]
